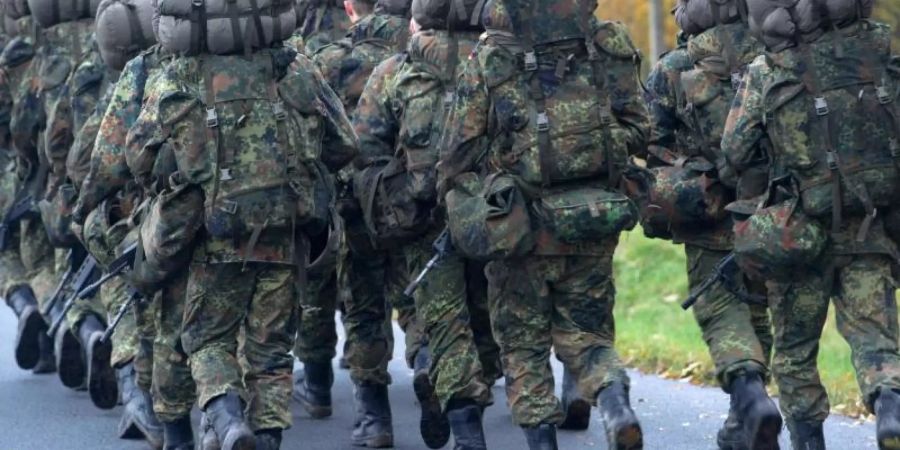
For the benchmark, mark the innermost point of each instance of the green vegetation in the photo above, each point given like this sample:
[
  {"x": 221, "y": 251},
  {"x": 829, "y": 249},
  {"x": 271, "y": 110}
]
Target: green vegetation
[{"x": 656, "y": 336}]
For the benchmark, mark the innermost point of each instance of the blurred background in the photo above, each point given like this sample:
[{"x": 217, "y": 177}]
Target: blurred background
[{"x": 653, "y": 333}]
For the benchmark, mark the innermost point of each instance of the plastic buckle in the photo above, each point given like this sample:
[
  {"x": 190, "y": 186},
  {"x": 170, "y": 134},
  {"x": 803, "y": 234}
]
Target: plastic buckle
[
  {"x": 736, "y": 80},
  {"x": 229, "y": 207},
  {"x": 212, "y": 119},
  {"x": 449, "y": 98},
  {"x": 278, "y": 109},
  {"x": 831, "y": 159},
  {"x": 531, "y": 62},
  {"x": 606, "y": 116},
  {"x": 821, "y": 106},
  {"x": 225, "y": 175},
  {"x": 543, "y": 122},
  {"x": 884, "y": 97}
]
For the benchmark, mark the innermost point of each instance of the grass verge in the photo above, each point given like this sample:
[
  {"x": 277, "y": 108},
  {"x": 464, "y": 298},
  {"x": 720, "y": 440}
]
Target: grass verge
[{"x": 656, "y": 336}]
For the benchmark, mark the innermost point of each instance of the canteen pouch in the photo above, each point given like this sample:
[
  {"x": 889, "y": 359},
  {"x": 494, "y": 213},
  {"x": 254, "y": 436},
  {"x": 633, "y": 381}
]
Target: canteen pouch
[
  {"x": 390, "y": 210},
  {"x": 489, "y": 219},
  {"x": 586, "y": 214},
  {"x": 56, "y": 215},
  {"x": 169, "y": 230}
]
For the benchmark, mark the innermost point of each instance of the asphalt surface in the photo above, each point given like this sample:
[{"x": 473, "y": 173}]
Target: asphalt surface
[{"x": 37, "y": 412}]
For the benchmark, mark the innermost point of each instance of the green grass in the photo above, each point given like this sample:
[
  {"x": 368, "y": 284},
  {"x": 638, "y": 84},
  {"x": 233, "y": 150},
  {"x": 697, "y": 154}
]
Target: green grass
[{"x": 656, "y": 336}]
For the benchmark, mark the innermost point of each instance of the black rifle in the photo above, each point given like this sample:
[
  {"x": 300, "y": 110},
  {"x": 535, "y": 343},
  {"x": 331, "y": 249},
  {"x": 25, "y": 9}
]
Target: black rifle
[
  {"x": 72, "y": 264},
  {"x": 442, "y": 246},
  {"x": 124, "y": 262},
  {"x": 724, "y": 272},
  {"x": 16, "y": 212},
  {"x": 133, "y": 296},
  {"x": 85, "y": 274}
]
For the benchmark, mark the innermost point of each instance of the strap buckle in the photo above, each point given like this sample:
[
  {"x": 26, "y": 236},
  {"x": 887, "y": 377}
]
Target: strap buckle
[
  {"x": 821, "y": 106},
  {"x": 449, "y": 98},
  {"x": 229, "y": 207},
  {"x": 606, "y": 116},
  {"x": 832, "y": 159},
  {"x": 884, "y": 97},
  {"x": 543, "y": 122},
  {"x": 212, "y": 119},
  {"x": 736, "y": 80},
  {"x": 531, "y": 62},
  {"x": 225, "y": 175},
  {"x": 278, "y": 110}
]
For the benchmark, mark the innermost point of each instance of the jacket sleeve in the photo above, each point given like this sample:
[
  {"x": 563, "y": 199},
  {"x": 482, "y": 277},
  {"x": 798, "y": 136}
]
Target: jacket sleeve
[
  {"x": 745, "y": 128},
  {"x": 466, "y": 138},
  {"x": 662, "y": 102},
  {"x": 340, "y": 143},
  {"x": 374, "y": 120}
]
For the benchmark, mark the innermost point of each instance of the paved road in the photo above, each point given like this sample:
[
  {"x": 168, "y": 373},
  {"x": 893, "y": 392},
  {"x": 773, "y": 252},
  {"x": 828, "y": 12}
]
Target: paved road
[{"x": 37, "y": 412}]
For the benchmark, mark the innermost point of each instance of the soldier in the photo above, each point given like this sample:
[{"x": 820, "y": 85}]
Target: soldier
[
  {"x": 684, "y": 142},
  {"x": 392, "y": 121},
  {"x": 33, "y": 349},
  {"x": 822, "y": 103},
  {"x": 374, "y": 278},
  {"x": 536, "y": 98},
  {"x": 246, "y": 269}
]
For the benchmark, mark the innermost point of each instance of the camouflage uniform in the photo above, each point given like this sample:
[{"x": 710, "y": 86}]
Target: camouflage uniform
[
  {"x": 559, "y": 295},
  {"x": 234, "y": 284},
  {"x": 451, "y": 303},
  {"x": 325, "y": 22},
  {"x": 375, "y": 279},
  {"x": 856, "y": 275},
  {"x": 738, "y": 335}
]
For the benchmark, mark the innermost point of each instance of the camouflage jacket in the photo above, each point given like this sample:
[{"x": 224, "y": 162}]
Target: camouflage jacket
[
  {"x": 173, "y": 118},
  {"x": 475, "y": 141},
  {"x": 78, "y": 162},
  {"x": 322, "y": 25},
  {"x": 748, "y": 127},
  {"x": 14, "y": 62},
  {"x": 21, "y": 62},
  {"x": 109, "y": 171},
  {"x": 346, "y": 64}
]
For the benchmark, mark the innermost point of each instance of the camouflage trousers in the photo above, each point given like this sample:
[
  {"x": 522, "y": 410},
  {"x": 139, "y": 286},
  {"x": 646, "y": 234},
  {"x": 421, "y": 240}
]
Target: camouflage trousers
[
  {"x": 259, "y": 301},
  {"x": 738, "y": 335},
  {"x": 559, "y": 302},
  {"x": 38, "y": 259},
  {"x": 863, "y": 292},
  {"x": 316, "y": 333},
  {"x": 174, "y": 391},
  {"x": 12, "y": 273},
  {"x": 452, "y": 307}
]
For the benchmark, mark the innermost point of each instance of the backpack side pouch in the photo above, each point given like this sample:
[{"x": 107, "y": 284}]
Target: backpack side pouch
[{"x": 586, "y": 214}]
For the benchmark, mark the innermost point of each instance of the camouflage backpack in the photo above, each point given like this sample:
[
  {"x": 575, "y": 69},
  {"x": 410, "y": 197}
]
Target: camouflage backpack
[
  {"x": 562, "y": 131},
  {"x": 255, "y": 149},
  {"x": 831, "y": 112}
]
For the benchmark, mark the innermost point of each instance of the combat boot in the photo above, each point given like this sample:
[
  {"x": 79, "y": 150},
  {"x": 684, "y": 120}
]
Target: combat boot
[
  {"x": 541, "y": 437},
  {"x": 623, "y": 431},
  {"x": 887, "y": 412},
  {"x": 731, "y": 435},
  {"x": 268, "y": 439},
  {"x": 46, "y": 362},
  {"x": 31, "y": 326},
  {"x": 138, "y": 419},
  {"x": 373, "y": 427},
  {"x": 101, "y": 377},
  {"x": 313, "y": 389},
  {"x": 226, "y": 415},
  {"x": 576, "y": 408},
  {"x": 465, "y": 421},
  {"x": 759, "y": 414},
  {"x": 178, "y": 434},
  {"x": 208, "y": 438},
  {"x": 806, "y": 435},
  {"x": 70, "y": 364},
  {"x": 433, "y": 423}
]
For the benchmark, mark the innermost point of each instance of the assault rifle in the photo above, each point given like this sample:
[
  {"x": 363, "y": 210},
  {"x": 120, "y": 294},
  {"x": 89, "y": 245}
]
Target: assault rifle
[
  {"x": 72, "y": 263},
  {"x": 15, "y": 213},
  {"x": 124, "y": 262},
  {"x": 83, "y": 276},
  {"x": 726, "y": 273},
  {"x": 442, "y": 246},
  {"x": 133, "y": 296}
]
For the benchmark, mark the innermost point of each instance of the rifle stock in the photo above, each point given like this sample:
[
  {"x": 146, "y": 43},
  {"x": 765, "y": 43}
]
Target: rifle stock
[
  {"x": 717, "y": 276},
  {"x": 442, "y": 246},
  {"x": 83, "y": 276}
]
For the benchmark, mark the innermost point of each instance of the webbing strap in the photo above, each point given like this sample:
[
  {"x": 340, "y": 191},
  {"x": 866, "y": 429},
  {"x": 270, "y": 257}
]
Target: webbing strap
[
  {"x": 257, "y": 23},
  {"x": 137, "y": 34},
  {"x": 198, "y": 27},
  {"x": 212, "y": 126},
  {"x": 234, "y": 18},
  {"x": 604, "y": 112}
]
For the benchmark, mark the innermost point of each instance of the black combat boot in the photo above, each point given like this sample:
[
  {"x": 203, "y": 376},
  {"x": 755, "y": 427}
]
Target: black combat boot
[
  {"x": 138, "y": 419},
  {"x": 101, "y": 377},
  {"x": 623, "y": 431},
  {"x": 178, "y": 434},
  {"x": 208, "y": 438},
  {"x": 465, "y": 421},
  {"x": 373, "y": 427},
  {"x": 31, "y": 326},
  {"x": 313, "y": 388},
  {"x": 761, "y": 418},
  {"x": 887, "y": 412},
  {"x": 46, "y": 362},
  {"x": 70, "y": 364},
  {"x": 731, "y": 435},
  {"x": 541, "y": 437},
  {"x": 433, "y": 423},
  {"x": 806, "y": 435},
  {"x": 226, "y": 414},
  {"x": 576, "y": 408},
  {"x": 268, "y": 439}
]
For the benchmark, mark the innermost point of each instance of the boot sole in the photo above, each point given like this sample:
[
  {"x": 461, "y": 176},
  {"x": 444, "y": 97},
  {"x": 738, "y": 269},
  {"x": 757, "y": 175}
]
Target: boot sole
[
  {"x": 433, "y": 424},
  {"x": 889, "y": 442},
  {"x": 28, "y": 351},
  {"x": 578, "y": 416},
  {"x": 70, "y": 366},
  {"x": 765, "y": 436},
  {"x": 383, "y": 441},
  {"x": 101, "y": 376},
  {"x": 243, "y": 442},
  {"x": 629, "y": 437}
]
